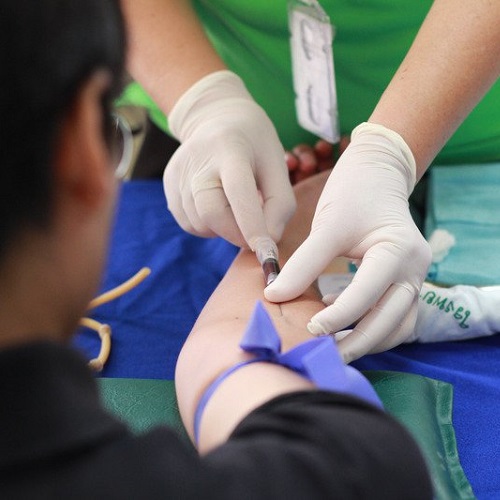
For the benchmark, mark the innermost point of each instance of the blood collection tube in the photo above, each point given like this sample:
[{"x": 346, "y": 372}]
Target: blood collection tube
[{"x": 267, "y": 254}]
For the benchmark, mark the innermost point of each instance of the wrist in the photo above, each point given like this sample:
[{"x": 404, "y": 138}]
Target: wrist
[
  {"x": 204, "y": 97},
  {"x": 386, "y": 140}
]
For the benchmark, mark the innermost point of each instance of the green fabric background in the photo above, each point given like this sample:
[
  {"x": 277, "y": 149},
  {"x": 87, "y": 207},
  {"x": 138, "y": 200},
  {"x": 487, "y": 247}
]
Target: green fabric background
[{"x": 372, "y": 37}]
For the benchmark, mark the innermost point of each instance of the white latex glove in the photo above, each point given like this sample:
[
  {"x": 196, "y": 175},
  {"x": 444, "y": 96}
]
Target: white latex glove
[
  {"x": 363, "y": 214},
  {"x": 229, "y": 177}
]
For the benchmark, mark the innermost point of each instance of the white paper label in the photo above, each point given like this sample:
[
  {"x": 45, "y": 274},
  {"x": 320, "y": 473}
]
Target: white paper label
[{"x": 313, "y": 75}]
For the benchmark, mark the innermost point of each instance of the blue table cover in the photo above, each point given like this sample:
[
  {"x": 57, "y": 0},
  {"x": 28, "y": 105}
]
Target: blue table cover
[{"x": 151, "y": 322}]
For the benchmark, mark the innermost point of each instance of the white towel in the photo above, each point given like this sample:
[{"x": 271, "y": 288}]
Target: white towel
[{"x": 457, "y": 313}]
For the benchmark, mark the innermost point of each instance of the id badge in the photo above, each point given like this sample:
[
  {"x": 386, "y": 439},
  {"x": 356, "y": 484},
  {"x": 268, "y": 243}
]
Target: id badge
[{"x": 311, "y": 38}]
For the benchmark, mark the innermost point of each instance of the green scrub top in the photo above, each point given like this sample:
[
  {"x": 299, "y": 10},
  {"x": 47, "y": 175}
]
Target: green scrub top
[{"x": 371, "y": 39}]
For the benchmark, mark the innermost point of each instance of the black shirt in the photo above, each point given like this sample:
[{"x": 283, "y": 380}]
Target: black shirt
[{"x": 57, "y": 442}]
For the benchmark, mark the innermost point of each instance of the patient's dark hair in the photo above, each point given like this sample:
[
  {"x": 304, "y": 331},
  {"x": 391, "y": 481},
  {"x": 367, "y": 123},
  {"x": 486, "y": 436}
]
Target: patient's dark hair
[{"x": 48, "y": 49}]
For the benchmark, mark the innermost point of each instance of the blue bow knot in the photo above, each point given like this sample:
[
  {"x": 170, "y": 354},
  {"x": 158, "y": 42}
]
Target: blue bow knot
[{"x": 317, "y": 360}]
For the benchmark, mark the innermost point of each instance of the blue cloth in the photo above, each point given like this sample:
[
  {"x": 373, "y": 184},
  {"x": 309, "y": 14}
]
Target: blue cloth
[
  {"x": 151, "y": 323},
  {"x": 465, "y": 201}
]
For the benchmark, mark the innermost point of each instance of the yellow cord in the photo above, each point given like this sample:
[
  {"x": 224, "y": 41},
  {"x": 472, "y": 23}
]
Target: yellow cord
[
  {"x": 103, "y": 329},
  {"x": 120, "y": 289}
]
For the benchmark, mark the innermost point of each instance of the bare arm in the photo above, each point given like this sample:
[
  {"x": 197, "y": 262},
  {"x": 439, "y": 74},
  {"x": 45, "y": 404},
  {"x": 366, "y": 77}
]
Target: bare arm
[
  {"x": 450, "y": 66},
  {"x": 212, "y": 345},
  {"x": 168, "y": 49}
]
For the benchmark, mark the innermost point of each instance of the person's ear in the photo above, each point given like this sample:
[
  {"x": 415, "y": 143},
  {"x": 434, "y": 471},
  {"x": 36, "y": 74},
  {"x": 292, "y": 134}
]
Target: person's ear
[{"x": 82, "y": 168}]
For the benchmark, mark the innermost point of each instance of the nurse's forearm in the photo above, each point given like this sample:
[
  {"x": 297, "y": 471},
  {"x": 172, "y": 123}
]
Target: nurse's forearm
[
  {"x": 452, "y": 63},
  {"x": 168, "y": 49}
]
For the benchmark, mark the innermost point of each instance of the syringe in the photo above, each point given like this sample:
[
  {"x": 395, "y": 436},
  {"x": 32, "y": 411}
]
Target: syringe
[{"x": 267, "y": 254}]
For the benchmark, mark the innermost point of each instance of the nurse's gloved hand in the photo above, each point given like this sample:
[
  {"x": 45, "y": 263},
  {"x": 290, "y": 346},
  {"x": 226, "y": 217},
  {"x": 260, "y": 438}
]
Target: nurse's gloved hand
[
  {"x": 228, "y": 178},
  {"x": 363, "y": 214}
]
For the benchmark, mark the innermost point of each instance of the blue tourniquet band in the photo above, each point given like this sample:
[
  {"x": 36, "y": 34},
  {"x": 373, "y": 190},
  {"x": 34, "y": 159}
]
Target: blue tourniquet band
[
  {"x": 212, "y": 388},
  {"x": 316, "y": 359}
]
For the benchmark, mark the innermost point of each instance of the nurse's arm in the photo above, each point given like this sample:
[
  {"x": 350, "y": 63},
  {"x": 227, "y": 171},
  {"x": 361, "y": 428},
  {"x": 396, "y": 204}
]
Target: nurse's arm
[
  {"x": 450, "y": 66},
  {"x": 168, "y": 49}
]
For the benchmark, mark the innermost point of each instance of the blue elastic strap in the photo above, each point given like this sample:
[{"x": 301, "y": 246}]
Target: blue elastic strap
[{"x": 317, "y": 360}]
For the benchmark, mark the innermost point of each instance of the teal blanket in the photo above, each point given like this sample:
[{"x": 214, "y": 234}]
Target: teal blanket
[{"x": 465, "y": 201}]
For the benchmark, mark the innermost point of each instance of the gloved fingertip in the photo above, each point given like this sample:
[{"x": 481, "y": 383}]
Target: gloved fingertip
[
  {"x": 277, "y": 231},
  {"x": 270, "y": 293},
  {"x": 347, "y": 356},
  {"x": 329, "y": 299},
  {"x": 341, "y": 335},
  {"x": 274, "y": 295},
  {"x": 347, "y": 353},
  {"x": 315, "y": 328},
  {"x": 279, "y": 291}
]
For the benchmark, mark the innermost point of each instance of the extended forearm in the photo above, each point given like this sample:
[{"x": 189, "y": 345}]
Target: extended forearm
[{"x": 212, "y": 345}]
